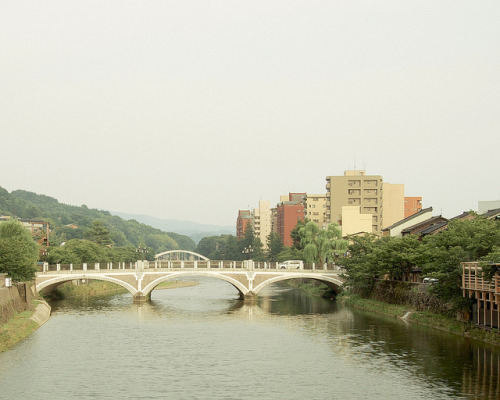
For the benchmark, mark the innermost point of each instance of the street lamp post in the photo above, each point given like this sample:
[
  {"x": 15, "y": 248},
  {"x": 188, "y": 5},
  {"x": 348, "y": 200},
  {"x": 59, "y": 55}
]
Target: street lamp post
[{"x": 247, "y": 251}]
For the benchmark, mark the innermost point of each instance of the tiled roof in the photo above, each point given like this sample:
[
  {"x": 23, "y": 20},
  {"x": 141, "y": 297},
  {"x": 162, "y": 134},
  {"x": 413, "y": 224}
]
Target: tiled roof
[
  {"x": 431, "y": 229},
  {"x": 427, "y": 221},
  {"x": 425, "y": 210},
  {"x": 492, "y": 213}
]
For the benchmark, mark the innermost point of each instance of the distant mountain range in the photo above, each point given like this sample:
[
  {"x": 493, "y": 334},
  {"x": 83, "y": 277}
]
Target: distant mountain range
[{"x": 194, "y": 230}]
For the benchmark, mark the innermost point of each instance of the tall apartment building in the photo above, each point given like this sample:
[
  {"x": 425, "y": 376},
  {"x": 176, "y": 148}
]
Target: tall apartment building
[
  {"x": 316, "y": 209},
  {"x": 261, "y": 218},
  {"x": 244, "y": 218},
  {"x": 288, "y": 213},
  {"x": 393, "y": 202},
  {"x": 355, "y": 198},
  {"x": 355, "y": 188},
  {"x": 412, "y": 206}
]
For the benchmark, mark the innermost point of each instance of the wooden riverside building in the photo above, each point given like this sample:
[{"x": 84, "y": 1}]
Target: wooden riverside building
[{"x": 486, "y": 310}]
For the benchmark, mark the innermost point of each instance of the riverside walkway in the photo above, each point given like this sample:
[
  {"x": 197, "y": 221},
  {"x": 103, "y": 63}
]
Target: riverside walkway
[{"x": 140, "y": 278}]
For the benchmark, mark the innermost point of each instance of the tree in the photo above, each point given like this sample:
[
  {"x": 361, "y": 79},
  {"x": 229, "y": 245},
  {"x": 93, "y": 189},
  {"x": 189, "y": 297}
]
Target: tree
[
  {"x": 321, "y": 245},
  {"x": 289, "y": 253},
  {"x": 76, "y": 251},
  {"x": 295, "y": 235},
  {"x": 18, "y": 251},
  {"x": 246, "y": 245},
  {"x": 462, "y": 241},
  {"x": 397, "y": 256},
  {"x": 223, "y": 247},
  {"x": 98, "y": 233},
  {"x": 360, "y": 264},
  {"x": 208, "y": 245},
  {"x": 274, "y": 246}
]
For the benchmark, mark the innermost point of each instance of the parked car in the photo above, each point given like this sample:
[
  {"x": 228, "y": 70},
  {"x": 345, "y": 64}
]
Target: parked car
[
  {"x": 292, "y": 264},
  {"x": 430, "y": 280}
]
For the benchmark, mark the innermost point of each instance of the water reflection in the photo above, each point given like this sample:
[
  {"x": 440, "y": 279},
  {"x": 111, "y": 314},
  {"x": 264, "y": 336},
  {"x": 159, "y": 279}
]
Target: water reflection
[{"x": 192, "y": 337}]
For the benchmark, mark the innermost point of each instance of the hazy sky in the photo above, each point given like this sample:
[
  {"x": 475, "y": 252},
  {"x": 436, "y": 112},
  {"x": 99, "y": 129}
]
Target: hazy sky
[{"x": 195, "y": 109}]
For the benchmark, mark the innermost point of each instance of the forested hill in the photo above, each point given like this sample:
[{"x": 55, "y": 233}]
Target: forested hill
[{"x": 70, "y": 222}]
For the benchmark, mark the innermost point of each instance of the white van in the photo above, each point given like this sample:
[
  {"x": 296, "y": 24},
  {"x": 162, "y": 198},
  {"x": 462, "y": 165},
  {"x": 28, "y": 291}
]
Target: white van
[{"x": 292, "y": 264}]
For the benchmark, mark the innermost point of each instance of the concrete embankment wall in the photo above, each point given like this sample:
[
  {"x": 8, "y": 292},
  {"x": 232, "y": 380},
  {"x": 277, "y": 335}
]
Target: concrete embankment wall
[
  {"x": 10, "y": 301},
  {"x": 41, "y": 314}
]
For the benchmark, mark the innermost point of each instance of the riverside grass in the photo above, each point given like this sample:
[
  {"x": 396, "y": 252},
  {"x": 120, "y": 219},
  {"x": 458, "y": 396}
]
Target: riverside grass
[
  {"x": 426, "y": 318},
  {"x": 16, "y": 329}
]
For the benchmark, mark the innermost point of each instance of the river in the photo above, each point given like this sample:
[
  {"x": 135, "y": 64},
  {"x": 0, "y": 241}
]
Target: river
[{"x": 201, "y": 342}]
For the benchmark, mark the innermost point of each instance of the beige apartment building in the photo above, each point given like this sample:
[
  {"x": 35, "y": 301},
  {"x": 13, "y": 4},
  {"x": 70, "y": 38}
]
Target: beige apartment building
[
  {"x": 261, "y": 217},
  {"x": 353, "y": 222},
  {"x": 355, "y": 188},
  {"x": 316, "y": 209},
  {"x": 363, "y": 203},
  {"x": 393, "y": 201}
]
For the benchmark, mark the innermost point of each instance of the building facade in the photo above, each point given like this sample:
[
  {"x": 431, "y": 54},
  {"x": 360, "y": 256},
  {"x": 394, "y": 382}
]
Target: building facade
[
  {"x": 484, "y": 292},
  {"x": 393, "y": 203},
  {"x": 316, "y": 209},
  {"x": 412, "y": 206},
  {"x": 397, "y": 228},
  {"x": 354, "y": 222},
  {"x": 244, "y": 218},
  {"x": 261, "y": 219},
  {"x": 355, "y": 188},
  {"x": 288, "y": 213}
]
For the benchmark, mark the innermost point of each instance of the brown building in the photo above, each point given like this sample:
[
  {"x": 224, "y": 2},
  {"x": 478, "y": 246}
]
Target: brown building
[
  {"x": 288, "y": 213},
  {"x": 244, "y": 218},
  {"x": 412, "y": 205}
]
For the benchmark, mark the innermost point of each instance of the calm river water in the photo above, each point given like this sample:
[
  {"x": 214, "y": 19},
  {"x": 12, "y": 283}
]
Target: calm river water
[{"x": 201, "y": 342}]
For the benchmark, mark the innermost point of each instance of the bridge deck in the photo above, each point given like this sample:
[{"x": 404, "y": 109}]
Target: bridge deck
[{"x": 194, "y": 265}]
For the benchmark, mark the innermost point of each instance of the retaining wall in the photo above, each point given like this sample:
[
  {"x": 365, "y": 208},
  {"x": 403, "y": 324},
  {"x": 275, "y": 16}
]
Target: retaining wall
[{"x": 14, "y": 299}]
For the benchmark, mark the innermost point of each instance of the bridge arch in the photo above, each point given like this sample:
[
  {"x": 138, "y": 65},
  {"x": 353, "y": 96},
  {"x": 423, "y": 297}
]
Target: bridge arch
[
  {"x": 333, "y": 283},
  {"x": 241, "y": 288},
  {"x": 180, "y": 253},
  {"x": 51, "y": 284}
]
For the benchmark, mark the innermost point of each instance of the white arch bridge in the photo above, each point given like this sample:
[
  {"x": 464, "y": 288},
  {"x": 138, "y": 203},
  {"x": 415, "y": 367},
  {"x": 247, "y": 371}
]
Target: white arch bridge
[{"x": 141, "y": 278}]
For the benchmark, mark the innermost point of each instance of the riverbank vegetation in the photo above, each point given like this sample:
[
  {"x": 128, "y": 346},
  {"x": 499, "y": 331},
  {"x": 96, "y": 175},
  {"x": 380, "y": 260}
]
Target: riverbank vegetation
[
  {"x": 313, "y": 287},
  {"x": 17, "y": 328},
  {"x": 433, "y": 320},
  {"x": 378, "y": 268}
]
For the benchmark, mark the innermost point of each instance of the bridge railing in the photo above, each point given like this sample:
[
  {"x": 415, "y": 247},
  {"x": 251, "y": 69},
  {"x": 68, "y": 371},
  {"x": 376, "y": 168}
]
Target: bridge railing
[
  {"x": 181, "y": 264},
  {"x": 225, "y": 264},
  {"x": 105, "y": 266}
]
